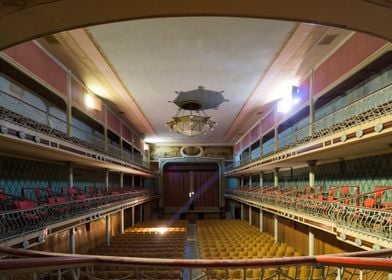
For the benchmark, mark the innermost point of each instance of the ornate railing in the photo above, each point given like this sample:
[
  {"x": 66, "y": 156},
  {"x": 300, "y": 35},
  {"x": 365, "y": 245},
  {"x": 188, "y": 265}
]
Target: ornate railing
[
  {"x": 369, "y": 108},
  {"x": 23, "y": 264},
  {"x": 20, "y": 113},
  {"x": 374, "y": 221},
  {"x": 19, "y": 222}
]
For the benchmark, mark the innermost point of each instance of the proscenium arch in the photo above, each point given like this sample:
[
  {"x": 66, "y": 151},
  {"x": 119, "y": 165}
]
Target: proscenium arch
[{"x": 25, "y": 20}]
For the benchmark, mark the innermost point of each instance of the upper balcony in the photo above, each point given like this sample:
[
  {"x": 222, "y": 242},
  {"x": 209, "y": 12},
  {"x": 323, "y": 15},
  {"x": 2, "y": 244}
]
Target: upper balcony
[
  {"x": 30, "y": 130},
  {"x": 367, "y": 118}
]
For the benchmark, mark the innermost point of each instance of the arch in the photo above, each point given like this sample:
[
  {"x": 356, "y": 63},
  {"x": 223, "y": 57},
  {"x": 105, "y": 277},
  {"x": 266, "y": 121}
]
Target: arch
[{"x": 24, "y": 20}]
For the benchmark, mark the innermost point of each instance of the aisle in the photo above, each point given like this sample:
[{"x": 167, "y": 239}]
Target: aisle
[{"x": 192, "y": 252}]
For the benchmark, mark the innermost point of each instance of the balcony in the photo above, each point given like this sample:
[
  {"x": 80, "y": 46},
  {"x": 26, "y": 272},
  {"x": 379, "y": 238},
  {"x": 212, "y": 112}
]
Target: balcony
[
  {"x": 361, "y": 216},
  {"x": 24, "y": 121},
  {"x": 25, "y": 264},
  {"x": 23, "y": 219},
  {"x": 344, "y": 124}
]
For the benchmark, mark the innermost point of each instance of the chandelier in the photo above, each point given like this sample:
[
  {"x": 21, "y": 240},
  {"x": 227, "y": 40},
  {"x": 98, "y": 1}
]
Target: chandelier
[{"x": 192, "y": 123}]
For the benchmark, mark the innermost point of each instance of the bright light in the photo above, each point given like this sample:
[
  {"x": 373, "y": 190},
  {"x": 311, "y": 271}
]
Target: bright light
[
  {"x": 162, "y": 230},
  {"x": 284, "y": 105},
  {"x": 97, "y": 89},
  {"x": 154, "y": 140},
  {"x": 92, "y": 102},
  {"x": 296, "y": 100},
  {"x": 287, "y": 101},
  {"x": 89, "y": 101}
]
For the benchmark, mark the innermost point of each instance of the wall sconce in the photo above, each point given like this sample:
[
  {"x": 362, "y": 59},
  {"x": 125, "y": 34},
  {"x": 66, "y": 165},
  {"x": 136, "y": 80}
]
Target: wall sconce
[{"x": 92, "y": 102}]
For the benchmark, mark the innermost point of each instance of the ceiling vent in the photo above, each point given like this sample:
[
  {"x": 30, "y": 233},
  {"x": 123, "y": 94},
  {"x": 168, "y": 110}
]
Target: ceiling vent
[{"x": 327, "y": 39}]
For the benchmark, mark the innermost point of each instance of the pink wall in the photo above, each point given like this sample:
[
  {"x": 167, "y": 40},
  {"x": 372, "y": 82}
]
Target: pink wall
[
  {"x": 77, "y": 93},
  {"x": 255, "y": 133},
  {"x": 35, "y": 60},
  {"x": 113, "y": 122},
  {"x": 268, "y": 122},
  {"x": 350, "y": 54}
]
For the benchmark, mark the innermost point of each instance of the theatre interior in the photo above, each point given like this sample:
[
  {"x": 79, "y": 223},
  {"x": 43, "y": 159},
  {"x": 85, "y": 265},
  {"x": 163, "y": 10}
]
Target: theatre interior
[{"x": 180, "y": 141}]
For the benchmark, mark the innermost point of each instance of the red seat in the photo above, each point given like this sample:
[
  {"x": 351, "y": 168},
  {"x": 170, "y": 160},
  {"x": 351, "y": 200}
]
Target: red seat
[
  {"x": 27, "y": 205},
  {"x": 61, "y": 199},
  {"x": 71, "y": 191},
  {"x": 81, "y": 197},
  {"x": 369, "y": 202},
  {"x": 54, "y": 201},
  {"x": 24, "y": 204}
]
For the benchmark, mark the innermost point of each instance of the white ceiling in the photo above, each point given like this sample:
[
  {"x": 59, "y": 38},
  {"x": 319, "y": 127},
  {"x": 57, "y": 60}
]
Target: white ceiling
[{"x": 156, "y": 57}]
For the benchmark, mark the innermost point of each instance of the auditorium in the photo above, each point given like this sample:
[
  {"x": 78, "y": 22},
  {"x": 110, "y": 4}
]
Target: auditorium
[{"x": 209, "y": 139}]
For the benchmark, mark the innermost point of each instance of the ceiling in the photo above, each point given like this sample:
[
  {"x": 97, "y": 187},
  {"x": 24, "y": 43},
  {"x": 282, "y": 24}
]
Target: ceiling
[
  {"x": 140, "y": 64},
  {"x": 155, "y": 58}
]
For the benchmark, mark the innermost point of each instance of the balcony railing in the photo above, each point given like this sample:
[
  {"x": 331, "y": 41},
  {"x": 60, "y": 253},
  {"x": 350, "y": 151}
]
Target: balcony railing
[
  {"x": 18, "y": 112},
  {"x": 367, "y": 109},
  {"x": 373, "y": 221},
  {"x": 19, "y": 222},
  {"x": 24, "y": 264}
]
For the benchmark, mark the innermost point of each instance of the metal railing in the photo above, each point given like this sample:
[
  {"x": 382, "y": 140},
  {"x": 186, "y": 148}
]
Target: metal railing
[
  {"x": 24, "y": 264},
  {"x": 374, "y": 221},
  {"x": 366, "y": 109},
  {"x": 18, "y": 222},
  {"x": 20, "y": 113}
]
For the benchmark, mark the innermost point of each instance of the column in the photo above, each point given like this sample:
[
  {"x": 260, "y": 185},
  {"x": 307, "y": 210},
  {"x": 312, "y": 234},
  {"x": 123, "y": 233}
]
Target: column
[
  {"x": 133, "y": 216},
  {"x": 276, "y": 176},
  {"x": 70, "y": 175},
  {"x": 133, "y": 180},
  {"x": 261, "y": 220},
  {"x": 232, "y": 209},
  {"x": 312, "y": 170},
  {"x": 121, "y": 179},
  {"x": 311, "y": 105},
  {"x": 141, "y": 213},
  {"x": 141, "y": 181},
  {"x": 72, "y": 240},
  {"x": 261, "y": 179},
  {"x": 250, "y": 181},
  {"x": 107, "y": 225},
  {"x": 107, "y": 179},
  {"x": 105, "y": 130},
  {"x": 276, "y": 229},
  {"x": 122, "y": 223},
  {"x": 69, "y": 105},
  {"x": 242, "y": 181},
  {"x": 242, "y": 212},
  {"x": 311, "y": 242},
  {"x": 250, "y": 215},
  {"x": 276, "y": 134}
]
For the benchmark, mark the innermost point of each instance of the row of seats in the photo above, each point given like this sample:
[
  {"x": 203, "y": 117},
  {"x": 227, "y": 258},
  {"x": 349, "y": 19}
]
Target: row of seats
[
  {"x": 150, "y": 239},
  {"x": 380, "y": 197},
  {"x": 46, "y": 196},
  {"x": 234, "y": 239}
]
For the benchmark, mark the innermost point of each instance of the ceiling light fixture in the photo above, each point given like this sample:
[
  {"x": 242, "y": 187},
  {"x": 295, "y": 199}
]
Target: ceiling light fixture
[{"x": 194, "y": 123}]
